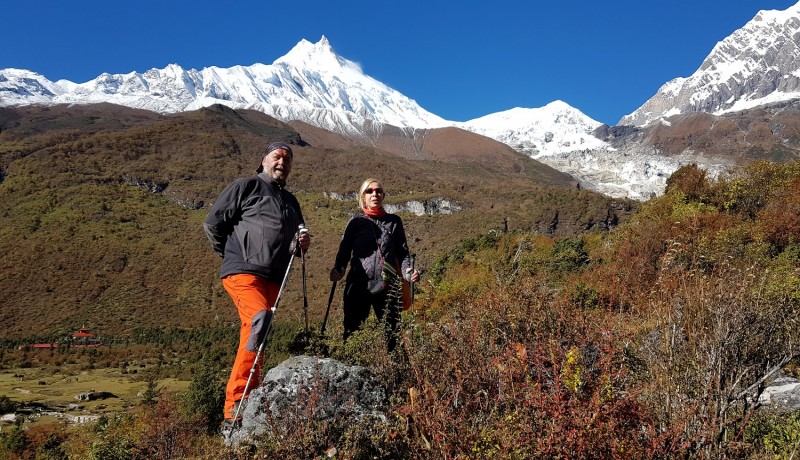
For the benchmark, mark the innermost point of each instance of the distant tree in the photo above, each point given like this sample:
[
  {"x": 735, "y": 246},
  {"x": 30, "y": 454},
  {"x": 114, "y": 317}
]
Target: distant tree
[
  {"x": 151, "y": 392},
  {"x": 7, "y": 406},
  {"x": 568, "y": 255},
  {"x": 48, "y": 442},
  {"x": 14, "y": 441},
  {"x": 206, "y": 397},
  {"x": 689, "y": 180}
]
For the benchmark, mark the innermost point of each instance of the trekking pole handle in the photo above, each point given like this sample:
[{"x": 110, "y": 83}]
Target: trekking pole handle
[{"x": 295, "y": 246}]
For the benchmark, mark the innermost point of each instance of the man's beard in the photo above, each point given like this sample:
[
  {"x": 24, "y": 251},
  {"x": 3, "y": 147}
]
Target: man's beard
[{"x": 278, "y": 177}]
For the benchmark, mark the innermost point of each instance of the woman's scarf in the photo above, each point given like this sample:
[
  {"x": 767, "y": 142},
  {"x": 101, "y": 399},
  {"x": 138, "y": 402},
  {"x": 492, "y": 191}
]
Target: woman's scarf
[{"x": 375, "y": 213}]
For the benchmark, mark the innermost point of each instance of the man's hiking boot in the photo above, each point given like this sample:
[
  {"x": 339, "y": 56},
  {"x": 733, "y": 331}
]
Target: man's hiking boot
[
  {"x": 235, "y": 409},
  {"x": 229, "y": 425}
]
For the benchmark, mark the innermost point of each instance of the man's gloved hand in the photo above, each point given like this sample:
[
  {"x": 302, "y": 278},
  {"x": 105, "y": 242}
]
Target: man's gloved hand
[{"x": 304, "y": 238}]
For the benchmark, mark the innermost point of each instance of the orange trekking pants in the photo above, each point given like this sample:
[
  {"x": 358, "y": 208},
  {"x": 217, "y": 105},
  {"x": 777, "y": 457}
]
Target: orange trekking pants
[{"x": 254, "y": 297}]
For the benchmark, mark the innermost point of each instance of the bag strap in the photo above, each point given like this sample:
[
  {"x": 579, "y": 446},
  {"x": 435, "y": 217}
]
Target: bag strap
[
  {"x": 377, "y": 243},
  {"x": 388, "y": 267}
]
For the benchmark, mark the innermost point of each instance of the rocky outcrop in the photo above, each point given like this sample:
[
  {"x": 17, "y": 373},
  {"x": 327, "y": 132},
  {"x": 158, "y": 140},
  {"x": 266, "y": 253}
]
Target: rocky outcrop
[
  {"x": 782, "y": 393},
  {"x": 94, "y": 395},
  {"x": 150, "y": 186},
  {"x": 303, "y": 385},
  {"x": 431, "y": 207}
]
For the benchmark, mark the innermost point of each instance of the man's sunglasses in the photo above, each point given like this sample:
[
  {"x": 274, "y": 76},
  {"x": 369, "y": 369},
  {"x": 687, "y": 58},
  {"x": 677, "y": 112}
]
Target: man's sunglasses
[{"x": 369, "y": 191}]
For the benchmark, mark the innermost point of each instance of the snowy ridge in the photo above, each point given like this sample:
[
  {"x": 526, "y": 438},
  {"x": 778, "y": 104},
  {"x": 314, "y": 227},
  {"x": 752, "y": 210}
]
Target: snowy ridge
[
  {"x": 756, "y": 65},
  {"x": 560, "y": 136},
  {"x": 309, "y": 83},
  {"x": 19, "y": 87}
]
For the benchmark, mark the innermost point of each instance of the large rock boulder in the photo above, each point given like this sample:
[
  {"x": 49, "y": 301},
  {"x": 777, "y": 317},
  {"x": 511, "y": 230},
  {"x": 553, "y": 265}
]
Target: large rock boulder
[
  {"x": 782, "y": 393},
  {"x": 322, "y": 387}
]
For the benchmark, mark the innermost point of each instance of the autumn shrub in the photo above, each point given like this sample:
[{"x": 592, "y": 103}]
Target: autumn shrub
[
  {"x": 721, "y": 302},
  {"x": 700, "y": 223},
  {"x": 717, "y": 339},
  {"x": 160, "y": 431},
  {"x": 47, "y": 441},
  {"x": 298, "y": 434},
  {"x": 779, "y": 220},
  {"x": 776, "y": 432},
  {"x": 366, "y": 347},
  {"x": 568, "y": 255},
  {"x": 633, "y": 252},
  {"x": 584, "y": 296},
  {"x": 748, "y": 189},
  {"x": 205, "y": 398},
  {"x": 711, "y": 279},
  {"x": 456, "y": 256},
  {"x": 514, "y": 374},
  {"x": 112, "y": 437},
  {"x": 691, "y": 181},
  {"x": 165, "y": 433}
]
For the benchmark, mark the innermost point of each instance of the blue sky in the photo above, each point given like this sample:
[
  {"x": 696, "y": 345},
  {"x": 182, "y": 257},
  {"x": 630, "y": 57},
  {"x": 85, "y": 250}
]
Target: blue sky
[{"x": 458, "y": 59}]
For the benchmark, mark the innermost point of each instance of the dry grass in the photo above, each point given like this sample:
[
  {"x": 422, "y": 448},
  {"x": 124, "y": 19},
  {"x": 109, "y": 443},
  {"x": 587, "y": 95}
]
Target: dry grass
[{"x": 58, "y": 389}]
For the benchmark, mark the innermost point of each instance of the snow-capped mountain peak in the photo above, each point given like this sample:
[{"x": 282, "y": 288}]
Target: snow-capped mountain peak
[
  {"x": 20, "y": 86},
  {"x": 310, "y": 83},
  {"x": 757, "y": 64},
  {"x": 539, "y": 132},
  {"x": 320, "y": 56}
]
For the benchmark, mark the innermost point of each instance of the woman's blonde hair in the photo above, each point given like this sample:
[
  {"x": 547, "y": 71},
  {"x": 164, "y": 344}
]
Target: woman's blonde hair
[{"x": 364, "y": 186}]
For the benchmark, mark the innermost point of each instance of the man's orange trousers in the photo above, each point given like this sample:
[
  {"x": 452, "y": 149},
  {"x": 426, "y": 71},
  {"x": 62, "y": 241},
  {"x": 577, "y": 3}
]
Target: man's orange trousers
[{"x": 254, "y": 297}]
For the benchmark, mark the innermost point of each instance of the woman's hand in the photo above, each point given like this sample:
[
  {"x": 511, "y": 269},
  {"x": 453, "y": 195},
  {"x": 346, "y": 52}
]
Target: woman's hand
[
  {"x": 336, "y": 275},
  {"x": 413, "y": 277}
]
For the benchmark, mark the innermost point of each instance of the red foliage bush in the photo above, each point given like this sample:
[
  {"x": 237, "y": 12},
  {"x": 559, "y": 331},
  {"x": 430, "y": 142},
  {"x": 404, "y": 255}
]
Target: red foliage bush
[{"x": 513, "y": 374}]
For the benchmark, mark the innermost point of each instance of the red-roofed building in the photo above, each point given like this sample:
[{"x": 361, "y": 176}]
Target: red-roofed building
[
  {"x": 84, "y": 339},
  {"x": 82, "y": 332}
]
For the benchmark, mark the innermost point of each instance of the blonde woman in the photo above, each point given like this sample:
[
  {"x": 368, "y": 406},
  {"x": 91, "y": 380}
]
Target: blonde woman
[{"x": 374, "y": 243}]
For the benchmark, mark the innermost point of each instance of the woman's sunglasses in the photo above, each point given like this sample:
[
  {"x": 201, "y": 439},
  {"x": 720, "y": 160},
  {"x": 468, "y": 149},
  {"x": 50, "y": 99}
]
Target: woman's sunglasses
[{"x": 369, "y": 191}]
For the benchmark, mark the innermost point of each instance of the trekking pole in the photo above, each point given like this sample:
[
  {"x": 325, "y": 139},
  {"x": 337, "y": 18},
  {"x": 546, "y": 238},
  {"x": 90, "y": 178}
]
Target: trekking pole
[
  {"x": 328, "y": 310},
  {"x": 305, "y": 291},
  {"x": 269, "y": 326},
  {"x": 411, "y": 283}
]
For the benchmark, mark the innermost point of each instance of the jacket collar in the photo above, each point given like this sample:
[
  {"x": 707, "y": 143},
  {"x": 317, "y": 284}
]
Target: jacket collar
[{"x": 270, "y": 181}]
